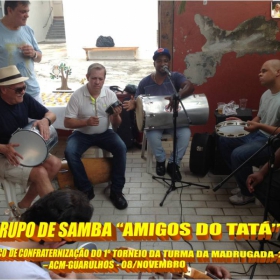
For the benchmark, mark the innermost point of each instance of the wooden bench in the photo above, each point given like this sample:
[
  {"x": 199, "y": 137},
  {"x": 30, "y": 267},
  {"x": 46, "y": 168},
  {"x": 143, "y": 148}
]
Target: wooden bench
[{"x": 110, "y": 49}]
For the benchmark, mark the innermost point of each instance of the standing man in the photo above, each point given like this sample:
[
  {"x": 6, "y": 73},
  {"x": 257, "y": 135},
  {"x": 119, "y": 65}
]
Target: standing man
[
  {"x": 15, "y": 109},
  {"x": 86, "y": 114},
  {"x": 18, "y": 45},
  {"x": 158, "y": 84},
  {"x": 236, "y": 151}
]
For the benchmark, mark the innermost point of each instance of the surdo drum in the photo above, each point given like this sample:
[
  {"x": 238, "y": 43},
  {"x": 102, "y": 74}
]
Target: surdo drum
[
  {"x": 32, "y": 146},
  {"x": 152, "y": 112}
]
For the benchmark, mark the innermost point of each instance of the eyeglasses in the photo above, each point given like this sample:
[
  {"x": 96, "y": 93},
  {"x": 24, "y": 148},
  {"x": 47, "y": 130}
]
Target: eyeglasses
[{"x": 18, "y": 90}]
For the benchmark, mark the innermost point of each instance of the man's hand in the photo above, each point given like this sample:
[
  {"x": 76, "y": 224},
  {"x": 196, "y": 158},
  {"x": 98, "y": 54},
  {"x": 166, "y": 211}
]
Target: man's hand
[
  {"x": 171, "y": 104},
  {"x": 93, "y": 121},
  {"x": 117, "y": 110},
  {"x": 252, "y": 126},
  {"x": 218, "y": 271},
  {"x": 43, "y": 126},
  {"x": 71, "y": 275},
  {"x": 115, "y": 118},
  {"x": 27, "y": 51},
  {"x": 129, "y": 105},
  {"x": 9, "y": 152},
  {"x": 253, "y": 180}
]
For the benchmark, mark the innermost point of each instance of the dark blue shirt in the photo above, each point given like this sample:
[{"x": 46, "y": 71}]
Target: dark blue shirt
[
  {"x": 16, "y": 116},
  {"x": 147, "y": 85}
]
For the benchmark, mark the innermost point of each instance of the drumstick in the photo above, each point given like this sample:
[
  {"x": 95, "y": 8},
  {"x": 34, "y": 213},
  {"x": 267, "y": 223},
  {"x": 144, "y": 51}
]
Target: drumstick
[{"x": 95, "y": 106}]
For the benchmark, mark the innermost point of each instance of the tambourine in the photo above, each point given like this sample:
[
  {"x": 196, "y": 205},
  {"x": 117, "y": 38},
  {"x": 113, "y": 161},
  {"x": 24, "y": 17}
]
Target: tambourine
[
  {"x": 110, "y": 110},
  {"x": 231, "y": 129}
]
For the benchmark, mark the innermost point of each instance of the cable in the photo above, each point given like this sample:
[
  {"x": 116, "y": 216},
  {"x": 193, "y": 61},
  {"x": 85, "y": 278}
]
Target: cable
[{"x": 242, "y": 273}]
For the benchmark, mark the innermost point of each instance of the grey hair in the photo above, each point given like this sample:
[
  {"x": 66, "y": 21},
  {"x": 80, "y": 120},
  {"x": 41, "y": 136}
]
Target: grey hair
[{"x": 96, "y": 66}]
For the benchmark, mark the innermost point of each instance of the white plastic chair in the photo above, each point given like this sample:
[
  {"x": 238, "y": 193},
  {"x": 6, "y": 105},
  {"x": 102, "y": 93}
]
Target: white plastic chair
[{"x": 10, "y": 193}]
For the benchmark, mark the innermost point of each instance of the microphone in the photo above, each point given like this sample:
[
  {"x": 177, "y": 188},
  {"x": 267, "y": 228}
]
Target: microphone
[{"x": 165, "y": 68}]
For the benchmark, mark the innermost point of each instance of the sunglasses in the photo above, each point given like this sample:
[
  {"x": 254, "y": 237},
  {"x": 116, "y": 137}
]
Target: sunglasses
[{"x": 18, "y": 90}]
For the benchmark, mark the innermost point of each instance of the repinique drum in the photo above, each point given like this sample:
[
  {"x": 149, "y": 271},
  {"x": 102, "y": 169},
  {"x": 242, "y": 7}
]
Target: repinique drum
[
  {"x": 32, "y": 146},
  {"x": 231, "y": 129},
  {"x": 152, "y": 112},
  {"x": 110, "y": 110}
]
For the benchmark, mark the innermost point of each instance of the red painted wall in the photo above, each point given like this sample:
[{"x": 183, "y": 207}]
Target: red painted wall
[{"x": 235, "y": 77}]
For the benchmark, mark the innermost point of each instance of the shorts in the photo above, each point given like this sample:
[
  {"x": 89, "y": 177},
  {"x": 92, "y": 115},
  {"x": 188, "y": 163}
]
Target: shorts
[{"x": 15, "y": 174}]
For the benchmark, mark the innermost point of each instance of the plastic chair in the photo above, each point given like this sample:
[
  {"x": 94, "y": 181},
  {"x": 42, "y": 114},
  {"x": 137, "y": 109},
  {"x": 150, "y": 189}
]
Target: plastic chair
[
  {"x": 10, "y": 193},
  {"x": 9, "y": 190},
  {"x": 149, "y": 158}
]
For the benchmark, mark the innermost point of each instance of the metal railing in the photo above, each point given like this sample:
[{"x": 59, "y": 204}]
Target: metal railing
[{"x": 48, "y": 18}]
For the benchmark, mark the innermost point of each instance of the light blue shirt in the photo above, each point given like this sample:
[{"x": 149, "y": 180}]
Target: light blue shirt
[
  {"x": 269, "y": 111},
  {"x": 10, "y": 54}
]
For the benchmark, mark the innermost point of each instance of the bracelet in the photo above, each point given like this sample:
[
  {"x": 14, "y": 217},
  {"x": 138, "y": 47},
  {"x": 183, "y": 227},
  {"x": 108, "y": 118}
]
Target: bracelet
[
  {"x": 35, "y": 55},
  {"x": 50, "y": 122}
]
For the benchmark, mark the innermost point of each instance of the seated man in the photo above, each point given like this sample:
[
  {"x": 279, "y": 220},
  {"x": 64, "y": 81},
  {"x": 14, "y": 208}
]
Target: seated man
[
  {"x": 158, "y": 84},
  {"x": 15, "y": 109},
  {"x": 258, "y": 182},
  {"x": 86, "y": 114},
  {"x": 58, "y": 206},
  {"x": 236, "y": 151}
]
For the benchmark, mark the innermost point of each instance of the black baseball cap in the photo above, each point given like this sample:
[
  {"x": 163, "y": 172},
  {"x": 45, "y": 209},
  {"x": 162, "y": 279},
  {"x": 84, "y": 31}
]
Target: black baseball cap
[{"x": 161, "y": 51}]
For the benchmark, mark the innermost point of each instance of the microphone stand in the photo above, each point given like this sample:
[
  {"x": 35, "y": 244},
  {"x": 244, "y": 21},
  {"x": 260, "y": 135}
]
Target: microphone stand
[
  {"x": 172, "y": 187},
  {"x": 269, "y": 142},
  {"x": 265, "y": 215},
  {"x": 273, "y": 141}
]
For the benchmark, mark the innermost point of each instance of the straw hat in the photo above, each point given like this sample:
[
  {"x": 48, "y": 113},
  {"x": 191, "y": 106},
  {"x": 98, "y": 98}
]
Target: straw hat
[{"x": 10, "y": 76}]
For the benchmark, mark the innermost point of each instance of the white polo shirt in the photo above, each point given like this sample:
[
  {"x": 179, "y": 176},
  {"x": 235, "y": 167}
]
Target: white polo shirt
[{"x": 81, "y": 106}]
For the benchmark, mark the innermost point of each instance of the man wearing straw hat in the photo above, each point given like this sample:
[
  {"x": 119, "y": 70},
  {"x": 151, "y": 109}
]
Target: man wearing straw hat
[{"x": 15, "y": 109}]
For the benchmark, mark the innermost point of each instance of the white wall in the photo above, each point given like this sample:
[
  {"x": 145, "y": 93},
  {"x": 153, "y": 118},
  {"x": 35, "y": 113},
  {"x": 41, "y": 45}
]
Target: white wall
[
  {"x": 128, "y": 22},
  {"x": 38, "y": 16},
  {"x": 2, "y": 9},
  {"x": 57, "y": 8}
]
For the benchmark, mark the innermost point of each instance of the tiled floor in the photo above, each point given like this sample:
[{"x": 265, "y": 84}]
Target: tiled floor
[{"x": 191, "y": 204}]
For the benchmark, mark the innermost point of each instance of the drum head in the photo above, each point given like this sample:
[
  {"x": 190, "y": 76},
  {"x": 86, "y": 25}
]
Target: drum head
[
  {"x": 32, "y": 147},
  {"x": 231, "y": 129},
  {"x": 140, "y": 119}
]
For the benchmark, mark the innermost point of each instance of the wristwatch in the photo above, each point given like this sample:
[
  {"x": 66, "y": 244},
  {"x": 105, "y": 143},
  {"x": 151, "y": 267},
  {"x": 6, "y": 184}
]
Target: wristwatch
[
  {"x": 35, "y": 55},
  {"x": 50, "y": 122}
]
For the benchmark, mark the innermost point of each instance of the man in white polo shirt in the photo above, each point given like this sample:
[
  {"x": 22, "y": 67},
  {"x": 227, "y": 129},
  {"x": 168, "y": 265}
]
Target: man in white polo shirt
[{"x": 86, "y": 113}]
